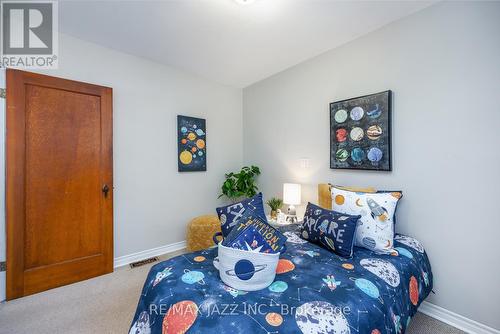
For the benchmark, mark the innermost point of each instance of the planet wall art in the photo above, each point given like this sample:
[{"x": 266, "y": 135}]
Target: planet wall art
[
  {"x": 360, "y": 133},
  {"x": 191, "y": 144}
]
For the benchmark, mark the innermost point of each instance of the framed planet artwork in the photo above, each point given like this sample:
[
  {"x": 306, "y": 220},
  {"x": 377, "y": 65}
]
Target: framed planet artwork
[
  {"x": 191, "y": 144},
  {"x": 360, "y": 133}
]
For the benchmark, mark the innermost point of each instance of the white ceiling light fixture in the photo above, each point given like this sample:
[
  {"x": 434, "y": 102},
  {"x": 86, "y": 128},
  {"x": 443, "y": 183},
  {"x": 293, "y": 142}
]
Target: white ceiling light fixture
[{"x": 244, "y": 2}]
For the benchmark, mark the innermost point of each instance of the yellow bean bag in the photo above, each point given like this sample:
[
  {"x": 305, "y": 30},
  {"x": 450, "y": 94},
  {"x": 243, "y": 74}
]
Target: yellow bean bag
[{"x": 200, "y": 231}]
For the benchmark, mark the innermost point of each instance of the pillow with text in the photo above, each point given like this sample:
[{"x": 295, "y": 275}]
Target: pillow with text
[
  {"x": 230, "y": 214},
  {"x": 332, "y": 230}
]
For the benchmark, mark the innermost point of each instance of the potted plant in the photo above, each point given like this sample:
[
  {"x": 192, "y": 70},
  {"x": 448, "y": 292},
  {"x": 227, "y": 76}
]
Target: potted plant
[
  {"x": 241, "y": 184},
  {"x": 275, "y": 204}
]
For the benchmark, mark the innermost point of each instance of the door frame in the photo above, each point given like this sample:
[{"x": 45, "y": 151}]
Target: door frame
[
  {"x": 15, "y": 161},
  {"x": 3, "y": 241}
]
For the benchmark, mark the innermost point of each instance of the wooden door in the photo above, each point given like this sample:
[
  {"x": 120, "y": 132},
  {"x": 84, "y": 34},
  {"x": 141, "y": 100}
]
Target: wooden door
[{"x": 59, "y": 181}]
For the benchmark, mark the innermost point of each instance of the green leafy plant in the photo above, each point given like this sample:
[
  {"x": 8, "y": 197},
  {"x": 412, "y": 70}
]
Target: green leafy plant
[
  {"x": 275, "y": 203},
  {"x": 240, "y": 184}
]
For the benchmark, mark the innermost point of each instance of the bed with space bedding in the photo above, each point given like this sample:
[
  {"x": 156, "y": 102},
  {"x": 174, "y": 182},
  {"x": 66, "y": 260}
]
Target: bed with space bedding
[{"x": 315, "y": 291}]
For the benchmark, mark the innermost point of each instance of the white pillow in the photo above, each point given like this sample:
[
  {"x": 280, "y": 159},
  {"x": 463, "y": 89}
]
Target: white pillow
[{"x": 375, "y": 230}]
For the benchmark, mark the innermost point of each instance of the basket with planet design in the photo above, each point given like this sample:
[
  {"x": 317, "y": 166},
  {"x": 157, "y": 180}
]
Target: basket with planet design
[{"x": 246, "y": 270}]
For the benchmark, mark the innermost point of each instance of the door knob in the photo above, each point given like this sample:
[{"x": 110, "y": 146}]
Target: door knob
[{"x": 105, "y": 190}]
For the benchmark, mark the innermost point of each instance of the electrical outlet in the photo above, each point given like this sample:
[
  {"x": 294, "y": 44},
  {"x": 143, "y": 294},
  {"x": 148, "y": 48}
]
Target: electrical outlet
[{"x": 305, "y": 163}]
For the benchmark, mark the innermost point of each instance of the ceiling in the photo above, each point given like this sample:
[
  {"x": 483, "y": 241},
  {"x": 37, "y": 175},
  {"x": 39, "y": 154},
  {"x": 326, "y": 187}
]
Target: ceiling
[{"x": 223, "y": 41}]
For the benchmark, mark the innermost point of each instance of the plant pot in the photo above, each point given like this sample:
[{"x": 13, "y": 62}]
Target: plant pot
[{"x": 274, "y": 214}]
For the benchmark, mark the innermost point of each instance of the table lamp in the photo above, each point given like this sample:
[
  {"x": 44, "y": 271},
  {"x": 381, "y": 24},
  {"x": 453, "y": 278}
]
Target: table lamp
[{"x": 291, "y": 196}]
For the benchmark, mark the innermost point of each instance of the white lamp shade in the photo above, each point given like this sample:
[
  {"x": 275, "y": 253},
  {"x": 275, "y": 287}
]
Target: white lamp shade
[{"x": 291, "y": 193}]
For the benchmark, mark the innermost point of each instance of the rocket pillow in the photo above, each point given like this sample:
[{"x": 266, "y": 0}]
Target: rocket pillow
[
  {"x": 375, "y": 229},
  {"x": 332, "y": 230},
  {"x": 229, "y": 215}
]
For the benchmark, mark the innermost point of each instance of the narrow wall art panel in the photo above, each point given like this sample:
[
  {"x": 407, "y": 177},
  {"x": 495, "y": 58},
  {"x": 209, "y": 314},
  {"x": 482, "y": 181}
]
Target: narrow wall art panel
[
  {"x": 191, "y": 144},
  {"x": 360, "y": 133}
]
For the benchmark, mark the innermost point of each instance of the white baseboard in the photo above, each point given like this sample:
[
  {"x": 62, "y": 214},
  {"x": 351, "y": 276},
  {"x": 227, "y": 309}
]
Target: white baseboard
[
  {"x": 455, "y": 320},
  {"x": 126, "y": 259}
]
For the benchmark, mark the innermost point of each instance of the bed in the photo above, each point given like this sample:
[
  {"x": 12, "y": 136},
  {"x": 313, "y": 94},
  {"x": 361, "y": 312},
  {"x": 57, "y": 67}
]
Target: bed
[{"x": 315, "y": 291}]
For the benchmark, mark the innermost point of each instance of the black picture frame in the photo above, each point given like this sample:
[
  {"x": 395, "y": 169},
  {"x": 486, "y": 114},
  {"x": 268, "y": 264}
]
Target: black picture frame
[
  {"x": 370, "y": 146},
  {"x": 191, "y": 144}
]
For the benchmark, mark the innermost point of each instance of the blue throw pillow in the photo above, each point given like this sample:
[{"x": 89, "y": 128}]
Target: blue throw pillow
[
  {"x": 330, "y": 229},
  {"x": 252, "y": 233},
  {"x": 229, "y": 215}
]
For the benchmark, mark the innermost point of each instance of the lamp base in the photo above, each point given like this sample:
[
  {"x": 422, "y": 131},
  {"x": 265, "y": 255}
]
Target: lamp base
[{"x": 291, "y": 216}]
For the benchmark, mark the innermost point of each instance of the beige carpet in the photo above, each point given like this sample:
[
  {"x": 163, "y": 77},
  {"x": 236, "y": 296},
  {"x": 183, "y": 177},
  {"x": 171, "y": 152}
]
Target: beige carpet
[{"x": 106, "y": 304}]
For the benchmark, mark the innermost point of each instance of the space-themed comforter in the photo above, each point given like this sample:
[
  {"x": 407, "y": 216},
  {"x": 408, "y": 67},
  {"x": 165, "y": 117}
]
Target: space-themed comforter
[{"x": 315, "y": 291}]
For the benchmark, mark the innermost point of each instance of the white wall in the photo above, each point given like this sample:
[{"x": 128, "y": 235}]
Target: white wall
[
  {"x": 443, "y": 67},
  {"x": 153, "y": 202}
]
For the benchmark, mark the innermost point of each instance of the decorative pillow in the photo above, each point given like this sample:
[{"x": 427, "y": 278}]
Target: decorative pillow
[
  {"x": 367, "y": 190},
  {"x": 256, "y": 235},
  {"x": 395, "y": 211},
  {"x": 330, "y": 229},
  {"x": 375, "y": 229},
  {"x": 228, "y": 215}
]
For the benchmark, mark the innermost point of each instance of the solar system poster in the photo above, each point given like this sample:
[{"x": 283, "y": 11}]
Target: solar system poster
[
  {"x": 191, "y": 144},
  {"x": 360, "y": 133}
]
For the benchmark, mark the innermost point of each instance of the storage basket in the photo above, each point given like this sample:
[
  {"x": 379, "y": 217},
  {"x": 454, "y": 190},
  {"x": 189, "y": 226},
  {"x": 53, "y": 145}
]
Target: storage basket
[{"x": 246, "y": 270}]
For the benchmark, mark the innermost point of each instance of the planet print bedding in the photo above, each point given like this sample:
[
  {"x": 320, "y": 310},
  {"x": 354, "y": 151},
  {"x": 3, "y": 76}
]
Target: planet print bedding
[{"x": 315, "y": 291}]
